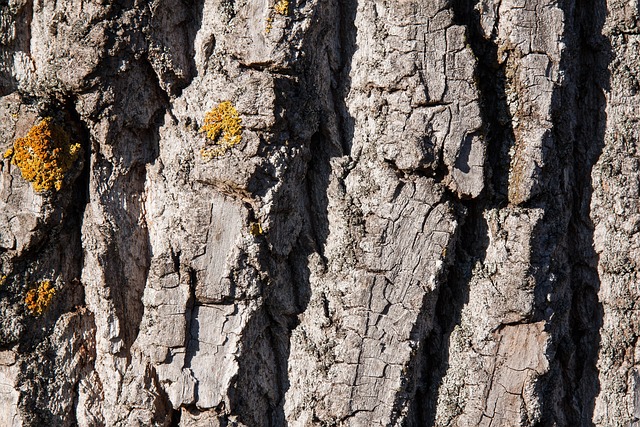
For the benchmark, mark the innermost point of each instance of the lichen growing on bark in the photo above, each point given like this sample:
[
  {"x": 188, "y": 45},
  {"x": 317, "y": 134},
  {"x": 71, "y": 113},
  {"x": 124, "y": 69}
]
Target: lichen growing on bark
[
  {"x": 44, "y": 155},
  {"x": 255, "y": 229},
  {"x": 38, "y": 299},
  {"x": 223, "y": 128},
  {"x": 282, "y": 7}
]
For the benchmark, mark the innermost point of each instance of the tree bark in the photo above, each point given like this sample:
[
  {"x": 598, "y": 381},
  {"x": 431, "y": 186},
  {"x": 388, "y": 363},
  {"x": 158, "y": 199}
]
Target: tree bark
[{"x": 431, "y": 218}]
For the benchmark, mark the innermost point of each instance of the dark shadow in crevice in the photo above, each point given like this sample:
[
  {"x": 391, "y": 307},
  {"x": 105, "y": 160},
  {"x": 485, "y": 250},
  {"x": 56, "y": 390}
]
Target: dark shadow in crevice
[
  {"x": 120, "y": 185},
  {"x": 9, "y": 46},
  {"x": 595, "y": 54},
  {"x": 311, "y": 96},
  {"x": 472, "y": 239},
  {"x": 192, "y": 327},
  {"x": 174, "y": 29},
  {"x": 490, "y": 78},
  {"x": 471, "y": 243},
  {"x": 569, "y": 390},
  {"x": 341, "y": 88},
  {"x": 462, "y": 160},
  {"x": 316, "y": 184}
]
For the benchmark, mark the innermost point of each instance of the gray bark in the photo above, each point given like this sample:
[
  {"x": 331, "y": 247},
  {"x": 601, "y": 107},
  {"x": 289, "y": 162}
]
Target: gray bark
[{"x": 431, "y": 220}]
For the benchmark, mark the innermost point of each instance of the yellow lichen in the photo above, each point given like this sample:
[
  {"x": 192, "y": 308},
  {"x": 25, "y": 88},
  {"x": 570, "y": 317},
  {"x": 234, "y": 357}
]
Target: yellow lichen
[
  {"x": 45, "y": 155},
  {"x": 282, "y": 7},
  {"x": 269, "y": 25},
  {"x": 3, "y": 279},
  {"x": 38, "y": 299},
  {"x": 255, "y": 228},
  {"x": 223, "y": 127}
]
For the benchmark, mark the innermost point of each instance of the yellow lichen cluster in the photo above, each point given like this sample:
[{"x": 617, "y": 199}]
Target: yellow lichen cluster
[
  {"x": 269, "y": 25},
  {"x": 255, "y": 229},
  {"x": 3, "y": 279},
  {"x": 38, "y": 299},
  {"x": 282, "y": 7},
  {"x": 44, "y": 155},
  {"x": 223, "y": 127}
]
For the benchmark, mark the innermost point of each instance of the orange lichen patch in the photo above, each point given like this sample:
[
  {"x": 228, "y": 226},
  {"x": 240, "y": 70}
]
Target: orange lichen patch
[
  {"x": 223, "y": 127},
  {"x": 44, "y": 155},
  {"x": 39, "y": 299},
  {"x": 282, "y": 7}
]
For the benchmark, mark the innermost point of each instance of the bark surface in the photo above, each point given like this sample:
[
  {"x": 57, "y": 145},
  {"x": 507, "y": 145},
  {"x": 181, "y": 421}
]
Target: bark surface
[{"x": 431, "y": 218}]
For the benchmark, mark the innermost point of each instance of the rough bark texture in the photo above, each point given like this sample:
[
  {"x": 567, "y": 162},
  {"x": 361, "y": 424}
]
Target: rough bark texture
[{"x": 432, "y": 218}]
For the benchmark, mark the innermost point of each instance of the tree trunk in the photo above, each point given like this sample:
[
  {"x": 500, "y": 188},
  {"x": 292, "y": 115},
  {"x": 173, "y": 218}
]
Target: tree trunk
[{"x": 430, "y": 218}]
